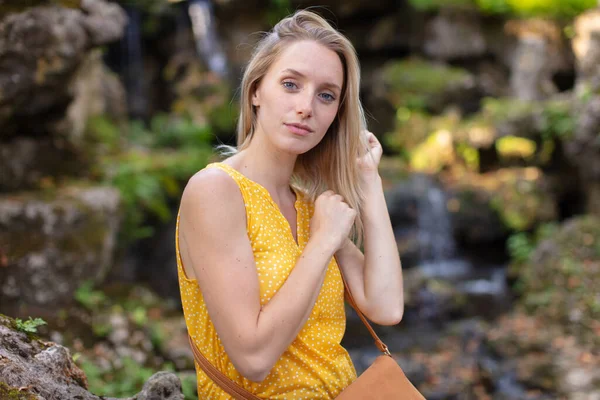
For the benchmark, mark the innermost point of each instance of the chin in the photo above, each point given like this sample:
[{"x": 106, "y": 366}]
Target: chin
[{"x": 296, "y": 147}]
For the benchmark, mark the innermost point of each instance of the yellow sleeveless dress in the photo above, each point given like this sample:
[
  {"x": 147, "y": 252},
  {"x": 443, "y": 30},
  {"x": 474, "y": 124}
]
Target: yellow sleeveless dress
[{"x": 315, "y": 365}]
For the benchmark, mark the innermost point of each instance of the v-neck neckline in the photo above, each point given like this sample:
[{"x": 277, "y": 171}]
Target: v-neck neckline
[{"x": 263, "y": 189}]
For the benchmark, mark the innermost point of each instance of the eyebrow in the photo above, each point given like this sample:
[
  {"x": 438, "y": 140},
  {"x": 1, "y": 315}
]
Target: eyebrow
[{"x": 326, "y": 84}]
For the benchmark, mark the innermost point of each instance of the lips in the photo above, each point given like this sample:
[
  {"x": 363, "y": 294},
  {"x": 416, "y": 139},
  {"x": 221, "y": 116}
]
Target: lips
[{"x": 299, "y": 129}]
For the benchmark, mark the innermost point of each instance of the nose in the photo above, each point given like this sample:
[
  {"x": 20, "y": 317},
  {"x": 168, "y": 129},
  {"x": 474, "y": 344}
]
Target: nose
[{"x": 304, "y": 106}]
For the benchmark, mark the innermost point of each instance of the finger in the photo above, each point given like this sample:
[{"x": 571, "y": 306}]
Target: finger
[{"x": 338, "y": 197}]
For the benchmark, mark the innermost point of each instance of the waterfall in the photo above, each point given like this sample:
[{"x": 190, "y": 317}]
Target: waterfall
[
  {"x": 205, "y": 35},
  {"x": 131, "y": 48},
  {"x": 435, "y": 227}
]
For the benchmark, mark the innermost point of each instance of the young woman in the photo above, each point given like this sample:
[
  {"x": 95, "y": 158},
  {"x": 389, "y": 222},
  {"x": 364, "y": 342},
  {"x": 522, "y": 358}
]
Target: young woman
[{"x": 262, "y": 292}]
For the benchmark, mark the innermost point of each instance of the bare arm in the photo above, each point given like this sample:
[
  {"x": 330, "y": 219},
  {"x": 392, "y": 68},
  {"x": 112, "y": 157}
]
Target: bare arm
[
  {"x": 216, "y": 245},
  {"x": 374, "y": 278}
]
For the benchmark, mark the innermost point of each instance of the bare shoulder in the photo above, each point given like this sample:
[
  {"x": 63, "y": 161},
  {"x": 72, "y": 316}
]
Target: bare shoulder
[
  {"x": 212, "y": 212},
  {"x": 211, "y": 189}
]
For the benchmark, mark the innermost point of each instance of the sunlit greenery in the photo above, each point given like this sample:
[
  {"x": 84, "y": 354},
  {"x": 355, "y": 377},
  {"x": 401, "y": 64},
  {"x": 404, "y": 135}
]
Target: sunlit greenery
[
  {"x": 524, "y": 8},
  {"x": 511, "y": 146}
]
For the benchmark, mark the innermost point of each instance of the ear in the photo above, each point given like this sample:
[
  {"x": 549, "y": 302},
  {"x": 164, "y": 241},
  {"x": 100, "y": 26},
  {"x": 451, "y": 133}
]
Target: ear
[{"x": 256, "y": 96}]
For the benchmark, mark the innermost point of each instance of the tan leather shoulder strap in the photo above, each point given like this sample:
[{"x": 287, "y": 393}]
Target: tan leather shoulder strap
[
  {"x": 378, "y": 342},
  {"x": 229, "y": 386}
]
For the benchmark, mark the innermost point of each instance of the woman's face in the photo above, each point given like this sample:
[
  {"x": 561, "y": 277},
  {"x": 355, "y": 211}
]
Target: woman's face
[{"x": 298, "y": 98}]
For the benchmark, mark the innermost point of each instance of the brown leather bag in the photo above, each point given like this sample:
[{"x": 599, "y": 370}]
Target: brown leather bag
[{"x": 383, "y": 380}]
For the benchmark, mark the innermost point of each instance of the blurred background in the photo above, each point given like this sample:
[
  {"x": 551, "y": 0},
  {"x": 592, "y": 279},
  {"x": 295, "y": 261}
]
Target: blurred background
[{"x": 489, "y": 113}]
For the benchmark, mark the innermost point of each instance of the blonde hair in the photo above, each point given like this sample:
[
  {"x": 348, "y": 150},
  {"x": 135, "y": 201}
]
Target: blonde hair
[{"x": 332, "y": 163}]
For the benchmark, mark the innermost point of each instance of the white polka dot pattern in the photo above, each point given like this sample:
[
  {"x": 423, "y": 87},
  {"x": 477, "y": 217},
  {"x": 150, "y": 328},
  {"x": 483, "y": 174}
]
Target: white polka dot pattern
[{"x": 315, "y": 365}]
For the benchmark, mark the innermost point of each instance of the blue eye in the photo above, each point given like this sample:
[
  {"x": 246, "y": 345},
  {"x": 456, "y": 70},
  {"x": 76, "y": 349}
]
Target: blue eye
[
  {"x": 329, "y": 97},
  {"x": 289, "y": 85}
]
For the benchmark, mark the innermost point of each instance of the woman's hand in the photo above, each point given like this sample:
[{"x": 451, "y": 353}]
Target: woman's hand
[
  {"x": 332, "y": 220},
  {"x": 368, "y": 163}
]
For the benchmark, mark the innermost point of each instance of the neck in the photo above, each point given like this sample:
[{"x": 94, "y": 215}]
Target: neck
[{"x": 267, "y": 166}]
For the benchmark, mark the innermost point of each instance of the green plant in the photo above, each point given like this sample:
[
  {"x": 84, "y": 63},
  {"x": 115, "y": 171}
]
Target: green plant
[
  {"x": 123, "y": 381},
  {"x": 30, "y": 325},
  {"x": 88, "y": 297},
  {"x": 557, "y": 120},
  {"x": 151, "y": 168},
  {"x": 277, "y": 10},
  {"x": 189, "y": 386},
  {"x": 519, "y": 246}
]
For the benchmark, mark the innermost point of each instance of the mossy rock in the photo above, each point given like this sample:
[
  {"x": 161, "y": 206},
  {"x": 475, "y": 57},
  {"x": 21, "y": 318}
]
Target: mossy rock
[
  {"x": 13, "y": 393},
  {"x": 53, "y": 240},
  {"x": 560, "y": 280}
]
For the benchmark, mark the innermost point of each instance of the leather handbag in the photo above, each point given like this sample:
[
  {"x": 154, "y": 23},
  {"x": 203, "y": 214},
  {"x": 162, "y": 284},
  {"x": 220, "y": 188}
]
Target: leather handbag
[{"x": 383, "y": 380}]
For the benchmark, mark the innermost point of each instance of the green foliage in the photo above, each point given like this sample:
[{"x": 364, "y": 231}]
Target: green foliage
[
  {"x": 88, "y": 297},
  {"x": 559, "y": 279},
  {"x": 277, "y": 10},
  {"x": 415, "y": 83},
  {"x": 168, "y": 132},
  {"x": 520, "y": 8},
  {"x": 189, "y": 386},
  {"x": 557, "y": 120},
  {"x": 149, "y": 165},
  {"x": 469, "y": 155},
  {"x": 497, "y": 110},
  {"x": 519, "y": 247},
  {"x": 427, "y": 5},
  {"x": 30, "y": 325},
  {"x": 120, "y": 381}
]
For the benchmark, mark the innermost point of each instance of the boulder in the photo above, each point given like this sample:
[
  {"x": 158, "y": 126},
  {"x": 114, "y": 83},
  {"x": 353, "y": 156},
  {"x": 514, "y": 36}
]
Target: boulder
[
  {"x": 41, "y": 49},
  {"x": 31, "y": 368},
  {"x": 53, "y": 241},
  {"x": 454, "y": 34},
  {"x": 586, "y": 48}
]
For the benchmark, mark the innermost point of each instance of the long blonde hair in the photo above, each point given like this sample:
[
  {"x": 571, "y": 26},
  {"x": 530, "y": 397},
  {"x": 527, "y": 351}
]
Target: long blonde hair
[{"x": 332, "y": 163}]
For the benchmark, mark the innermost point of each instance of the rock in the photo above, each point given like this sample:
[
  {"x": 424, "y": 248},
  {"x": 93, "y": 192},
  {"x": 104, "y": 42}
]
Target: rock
[
  {"x": 586, "y": 48},
  {"x": 35, "y": 369},
  {"x": 96, "y": 91},
  {"x": 583, "y": 150},
  {"x": 27, "y": 162},
  {"x": 454, "y": 34},
  {"x": 492, "y": 79},
  {"x": 45, "y": 370},
  {"x": 104, "y": 21},
  {"x": 530, "y": 79},
  {"x": 41, "y": 49},
  {"x": 162, "y": 385},
  {"x": 52, "y": 242},
  {"x": 538, "y": 53}
]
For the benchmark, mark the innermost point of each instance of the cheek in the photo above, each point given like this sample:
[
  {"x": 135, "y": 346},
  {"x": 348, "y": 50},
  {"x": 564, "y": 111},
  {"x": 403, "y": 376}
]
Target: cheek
[{"x": 329, "y": 117}]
